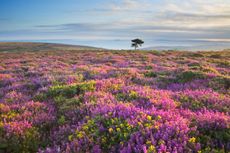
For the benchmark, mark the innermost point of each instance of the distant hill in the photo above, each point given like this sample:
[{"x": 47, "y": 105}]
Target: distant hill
[
  {"x": 31, "y": 46},
  {"x": 209, "y": 47}
]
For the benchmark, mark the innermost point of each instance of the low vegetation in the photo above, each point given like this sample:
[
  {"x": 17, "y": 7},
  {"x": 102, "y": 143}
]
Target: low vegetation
[{"x": 114, "y": 101}]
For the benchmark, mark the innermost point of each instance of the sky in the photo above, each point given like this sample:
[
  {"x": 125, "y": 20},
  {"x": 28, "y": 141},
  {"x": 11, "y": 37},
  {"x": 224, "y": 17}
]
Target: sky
[{"x": 113, "y": 23}]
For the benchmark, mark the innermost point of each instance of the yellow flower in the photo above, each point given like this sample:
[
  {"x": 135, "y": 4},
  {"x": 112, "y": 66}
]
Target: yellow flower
[
  {"x": 128, "y": 127},
  {"x": 147, "y": 125},
  {"x": 85, "y": 128},
  {"x": 158, "y": 117},
  {"x": 118, "y": 130},
  {"x": 103, "y": 140},
  {"x": 192, "y": 140},
  {"x": 80, "y": 135},
  {"x": 161, "y": 142},
  {"x": 133, "y": 94},
  {"x": 149, "y": 118},
  {"x": 116, "y": 87},
  {"x": 125, "y": 135},
  {"x": 90, "y": 122},
  {"x": 70, "y": 137},
  {"x": 2, "y": 106},
  {"x": 156, "y": 127},
  {"x": 1, "y": 124},
  {"x": 151, "y": 148},
  {"x": 110, "y": 130},
  {"x": 148, "y": 142}
]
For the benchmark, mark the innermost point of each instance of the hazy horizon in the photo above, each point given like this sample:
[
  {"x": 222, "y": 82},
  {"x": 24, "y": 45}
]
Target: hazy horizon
[{"x": 112, "y": 24}]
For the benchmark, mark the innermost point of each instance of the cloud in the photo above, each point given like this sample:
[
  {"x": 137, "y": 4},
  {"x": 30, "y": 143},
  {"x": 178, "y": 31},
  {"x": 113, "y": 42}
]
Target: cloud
[
  {"x": 215, "y": 40},
  {"x": 126, "y": 5},
  {"x": 152, "y": 20},
  {"x": 191, "y": 13},
  {"x": 130, "y": 29},
  {"x": 148, "y": 15},
  {"x": 178, "y": 16}
]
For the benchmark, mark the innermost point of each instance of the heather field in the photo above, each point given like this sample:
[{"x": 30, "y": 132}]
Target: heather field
[{"x": 114, "y": 102}]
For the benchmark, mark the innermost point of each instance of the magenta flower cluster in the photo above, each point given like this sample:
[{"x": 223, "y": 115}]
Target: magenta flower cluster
[{"x": 115, "y": 101}]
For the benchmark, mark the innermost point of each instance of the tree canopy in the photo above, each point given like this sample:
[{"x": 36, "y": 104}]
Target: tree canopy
[{"x": 137, "y": 43}]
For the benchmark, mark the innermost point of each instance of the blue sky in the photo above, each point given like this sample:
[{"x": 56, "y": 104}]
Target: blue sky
[{"x": 113, "y": 23}]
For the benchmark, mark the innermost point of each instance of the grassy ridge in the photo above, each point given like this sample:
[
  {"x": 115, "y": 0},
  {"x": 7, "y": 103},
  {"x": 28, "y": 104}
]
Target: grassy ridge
[{"x": 29, "y": 46}]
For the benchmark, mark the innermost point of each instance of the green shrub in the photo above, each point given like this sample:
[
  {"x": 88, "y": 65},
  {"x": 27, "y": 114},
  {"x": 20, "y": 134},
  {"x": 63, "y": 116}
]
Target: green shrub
[
  {"x": 40, "y": 97},
  {"x": 87, "y": 86},
  {"x": 191, "y": 103},
  {"x": 64, "y": 90},
  {"x": 220, "y": 82},
  {"x": 224, "y": 63},
  {"x": 214, "y": 137},
  {"x": 117, "y": 131},
  {"x": 69, "y": 104},
  {"x": 188, "y": 76},
  {"x": 59, "y": 100},
  {"x": 194, "y": 64},
  {"x": 157, "y": 53},
  {"x": 196, "y": 55},
  {"x": 132, "y": 95},
  {"x": 70, "y": 91},
  {"x": 61, "y": 120},
  {"x": 216, "y": 56},
  {"x": 27, "y": 143},
  {"x": 150, "y": 74},
  {"x": 149, "y": 67}
]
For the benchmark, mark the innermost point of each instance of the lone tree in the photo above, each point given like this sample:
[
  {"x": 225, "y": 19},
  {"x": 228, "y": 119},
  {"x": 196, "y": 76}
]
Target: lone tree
[{"x": 136, "y": 43}]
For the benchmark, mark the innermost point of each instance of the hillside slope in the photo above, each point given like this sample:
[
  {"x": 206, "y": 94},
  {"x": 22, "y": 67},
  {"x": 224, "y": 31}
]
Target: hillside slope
[{"x": 31, "y": 46}]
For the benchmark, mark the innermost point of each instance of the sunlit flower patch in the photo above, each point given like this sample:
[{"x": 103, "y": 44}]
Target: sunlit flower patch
[{"x": 114, "y": 101}]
